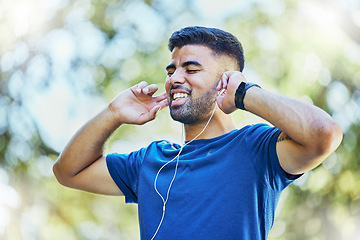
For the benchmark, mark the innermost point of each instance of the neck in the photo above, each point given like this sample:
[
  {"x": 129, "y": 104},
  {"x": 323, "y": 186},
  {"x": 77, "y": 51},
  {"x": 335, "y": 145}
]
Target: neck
[{"x": 220, "y": 124}]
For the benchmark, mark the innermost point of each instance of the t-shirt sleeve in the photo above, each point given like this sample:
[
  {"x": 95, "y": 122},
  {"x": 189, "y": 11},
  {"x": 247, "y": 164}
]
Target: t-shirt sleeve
[
  {"x": 124, "y": 169},
  {"x": 266, "y": 162}
]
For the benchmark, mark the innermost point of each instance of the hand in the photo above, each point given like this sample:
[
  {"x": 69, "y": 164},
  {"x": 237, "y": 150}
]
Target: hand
[
  {"x": 137, "y": 105},
  {"x": 229, "y": 82}
]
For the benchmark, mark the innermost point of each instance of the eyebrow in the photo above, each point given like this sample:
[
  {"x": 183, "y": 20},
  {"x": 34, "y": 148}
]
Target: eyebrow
[
  {"x": 170, "y": 66},
  {"x": 185, "y": 64}
]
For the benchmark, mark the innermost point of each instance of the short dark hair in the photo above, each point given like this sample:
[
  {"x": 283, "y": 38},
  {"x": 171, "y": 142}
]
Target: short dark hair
[{"x": 219, "y": 41}]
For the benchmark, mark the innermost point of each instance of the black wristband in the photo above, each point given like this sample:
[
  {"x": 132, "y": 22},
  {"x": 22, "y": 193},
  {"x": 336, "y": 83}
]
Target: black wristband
[{"x": 240, "y": 94}]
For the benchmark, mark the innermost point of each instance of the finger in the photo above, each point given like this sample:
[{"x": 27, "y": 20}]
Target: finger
[
  {"x": 222, "y": 92},
  {"x": 151, "y": 89},
  {"x": 219, "y": 101},
  {"x": 160, "y": 97},
  {"x": 225, "y": 79},
  {"x": 219, "y": 86},
  {"x": 141, "y": 86},
  {"x": 224, "y": 105},
  {"x": 164, "y": 103},
  {"x": 153, "y": 112},
  {"x": 137, "y": 88}
]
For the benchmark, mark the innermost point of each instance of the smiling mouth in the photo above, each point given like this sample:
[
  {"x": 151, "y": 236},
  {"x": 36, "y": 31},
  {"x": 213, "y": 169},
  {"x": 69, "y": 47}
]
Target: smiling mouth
[{"x": 177, "y": 96}]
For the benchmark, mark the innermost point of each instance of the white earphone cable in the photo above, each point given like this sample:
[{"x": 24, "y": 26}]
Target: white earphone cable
[{"x": 175, "y": 172}]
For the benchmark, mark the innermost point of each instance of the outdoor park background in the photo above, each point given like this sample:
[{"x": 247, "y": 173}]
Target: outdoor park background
[{"x": 62, "y": 61}]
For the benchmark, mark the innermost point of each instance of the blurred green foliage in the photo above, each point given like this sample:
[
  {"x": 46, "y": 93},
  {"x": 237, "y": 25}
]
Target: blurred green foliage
[{"x": 62, "y": 61}]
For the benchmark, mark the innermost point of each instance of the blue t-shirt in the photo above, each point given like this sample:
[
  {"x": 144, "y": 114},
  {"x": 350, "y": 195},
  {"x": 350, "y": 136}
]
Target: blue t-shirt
[{"x": 225, "y": 188}]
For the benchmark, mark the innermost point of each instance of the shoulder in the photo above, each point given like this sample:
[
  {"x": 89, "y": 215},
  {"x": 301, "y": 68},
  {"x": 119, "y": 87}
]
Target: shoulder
[
  {"x": 164, "y": 145},
  {"x": 260, "y": 130}
]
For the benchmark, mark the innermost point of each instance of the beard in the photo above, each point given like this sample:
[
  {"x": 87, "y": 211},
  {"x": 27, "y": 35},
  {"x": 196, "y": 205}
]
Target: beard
[{"x": 194, "y": 110}]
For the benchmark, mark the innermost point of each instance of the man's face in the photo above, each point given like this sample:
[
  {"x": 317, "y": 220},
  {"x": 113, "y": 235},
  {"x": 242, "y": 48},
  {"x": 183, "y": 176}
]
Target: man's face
[{"x": 191, "y": 82}]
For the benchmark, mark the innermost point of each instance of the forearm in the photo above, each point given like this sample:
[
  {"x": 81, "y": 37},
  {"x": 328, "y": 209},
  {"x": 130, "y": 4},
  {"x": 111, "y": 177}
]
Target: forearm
[
  {"x": 82, "y": 164},
  {"x": 311, "y": 132},
  {"x": 307, "y": 125},
  {"x": 86, "y": 146}
]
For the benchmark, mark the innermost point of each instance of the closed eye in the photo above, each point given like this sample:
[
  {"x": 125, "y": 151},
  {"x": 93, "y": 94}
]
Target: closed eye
[
  {"x": 170, "y": 72},
  {"x": 192, "y": 71}
]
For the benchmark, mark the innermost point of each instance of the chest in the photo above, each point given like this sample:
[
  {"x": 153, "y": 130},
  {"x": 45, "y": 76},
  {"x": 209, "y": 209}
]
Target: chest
[{"x": 210, "y": 173}]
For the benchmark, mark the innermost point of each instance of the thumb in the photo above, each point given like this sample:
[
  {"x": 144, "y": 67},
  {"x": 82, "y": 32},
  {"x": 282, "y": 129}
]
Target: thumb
[
  {"x": 224, "y": 105},
  {"x": 219, "y": 101},
  {"x": 148, "y": 116},
  {"x": 154, "y": 111}
]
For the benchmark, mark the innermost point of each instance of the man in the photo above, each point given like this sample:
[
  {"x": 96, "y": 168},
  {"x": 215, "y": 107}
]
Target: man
[{"x": 223, "y": 183}]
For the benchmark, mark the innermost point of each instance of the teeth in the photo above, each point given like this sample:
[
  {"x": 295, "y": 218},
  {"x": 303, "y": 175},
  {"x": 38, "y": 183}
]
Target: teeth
[{"x": 180, "y": 95}]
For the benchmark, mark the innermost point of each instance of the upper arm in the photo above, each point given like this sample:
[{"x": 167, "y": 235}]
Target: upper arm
[
  {"x": 295, "y": 158},
  {"x": 95, "y": 178}
]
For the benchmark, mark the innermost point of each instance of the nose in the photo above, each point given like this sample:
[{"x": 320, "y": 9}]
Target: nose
[{"x": 176, "y": 78}]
